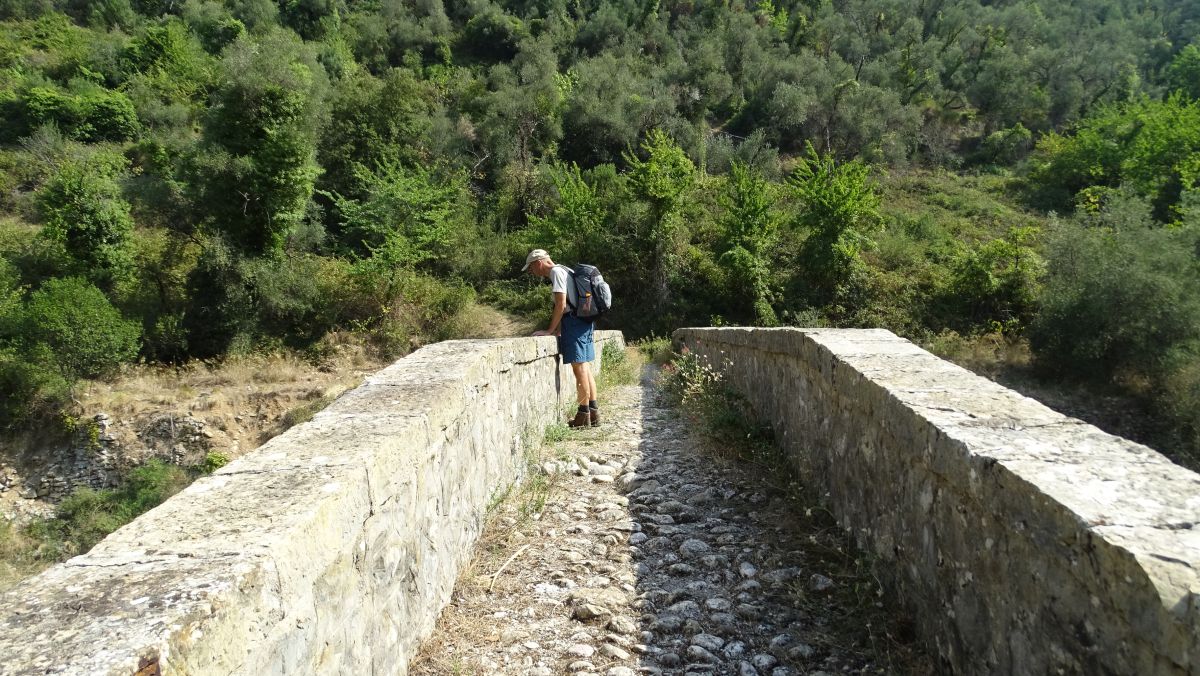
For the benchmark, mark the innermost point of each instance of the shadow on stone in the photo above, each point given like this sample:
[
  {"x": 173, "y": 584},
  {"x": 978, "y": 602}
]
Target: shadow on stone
[{"x": 730, "y": 580}]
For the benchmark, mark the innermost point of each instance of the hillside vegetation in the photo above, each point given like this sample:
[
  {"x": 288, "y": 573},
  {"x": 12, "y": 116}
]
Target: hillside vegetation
[{"x": 193, "y": 179}]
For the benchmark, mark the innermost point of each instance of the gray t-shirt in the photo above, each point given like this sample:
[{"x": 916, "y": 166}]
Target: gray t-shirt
[{"x": 560, "y": 282}]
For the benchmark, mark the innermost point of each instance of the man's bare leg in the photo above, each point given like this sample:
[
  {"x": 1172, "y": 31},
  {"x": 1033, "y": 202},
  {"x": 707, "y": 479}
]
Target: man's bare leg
[
  {"x": 585, "y": 385},
  {"x": 583, "y": 415},
  {"x": 591, "y": 380},
  {"x": 593, "y": 408}
]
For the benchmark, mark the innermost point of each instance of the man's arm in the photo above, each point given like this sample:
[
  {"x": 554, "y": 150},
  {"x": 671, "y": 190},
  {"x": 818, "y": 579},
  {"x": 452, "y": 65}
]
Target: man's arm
[{"x": 560, "y": 306}]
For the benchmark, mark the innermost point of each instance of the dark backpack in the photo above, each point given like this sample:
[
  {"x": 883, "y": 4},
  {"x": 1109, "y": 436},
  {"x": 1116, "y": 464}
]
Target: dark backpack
[{"x": 592, "y": 294}]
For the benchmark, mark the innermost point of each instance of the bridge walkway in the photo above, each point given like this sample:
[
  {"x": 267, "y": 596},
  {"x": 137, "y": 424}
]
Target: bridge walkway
[{"x": 634, "y": 548}]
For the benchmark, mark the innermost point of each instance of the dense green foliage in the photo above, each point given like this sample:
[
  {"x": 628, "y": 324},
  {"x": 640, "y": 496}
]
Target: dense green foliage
[
  {"x": 82, "y": 329},
  {"x": 1122, "y": 303},
  {"x": 189, "y": 179},
  {"x": 1151, "y": 146},
  {"x": 253, "y": 173},
  {"x": 838, "y": 208},
  {"x": 65, "y": 330},
  {"x": 749, "y": 228},
  {"x": 1121, "y": 295},
  {"x": 83, "y": 212}
]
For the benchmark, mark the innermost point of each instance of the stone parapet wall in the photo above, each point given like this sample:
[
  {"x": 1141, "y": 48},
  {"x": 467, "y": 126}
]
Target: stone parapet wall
[
  {"x": 1021, "y": 540},
  {"x": 329, "y": 550}
]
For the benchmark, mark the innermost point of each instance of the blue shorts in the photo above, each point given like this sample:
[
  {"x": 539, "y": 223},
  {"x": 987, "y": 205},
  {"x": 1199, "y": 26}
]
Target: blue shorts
[{"x": 575, "y": 340}]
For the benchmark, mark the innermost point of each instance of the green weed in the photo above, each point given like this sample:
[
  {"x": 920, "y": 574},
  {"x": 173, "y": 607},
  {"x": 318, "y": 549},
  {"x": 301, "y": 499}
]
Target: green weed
[
  {"x": 657, "y": 349},
  {"x": 556, "y": 432}
]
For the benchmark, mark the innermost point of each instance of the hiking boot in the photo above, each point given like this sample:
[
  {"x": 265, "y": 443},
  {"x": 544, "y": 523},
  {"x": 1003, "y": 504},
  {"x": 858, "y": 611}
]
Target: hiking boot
[
  {"x": 581, "y": 419},
  {"x": 594, "y": 414}
]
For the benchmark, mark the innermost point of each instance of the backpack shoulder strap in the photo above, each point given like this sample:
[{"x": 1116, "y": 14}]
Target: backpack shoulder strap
[{"x": 570, "y": 280}]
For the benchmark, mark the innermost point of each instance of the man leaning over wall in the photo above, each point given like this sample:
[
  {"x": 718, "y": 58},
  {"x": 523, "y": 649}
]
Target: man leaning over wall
[{"x": 574, "y": 335}]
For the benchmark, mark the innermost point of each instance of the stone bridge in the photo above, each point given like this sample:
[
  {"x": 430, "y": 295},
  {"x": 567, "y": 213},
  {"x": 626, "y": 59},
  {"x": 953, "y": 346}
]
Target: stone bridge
[{"x": 1022, "y": 541}]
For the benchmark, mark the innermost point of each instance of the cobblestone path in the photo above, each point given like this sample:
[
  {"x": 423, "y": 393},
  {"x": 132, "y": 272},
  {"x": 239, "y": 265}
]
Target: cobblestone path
[{"x": 631, "y": 551}]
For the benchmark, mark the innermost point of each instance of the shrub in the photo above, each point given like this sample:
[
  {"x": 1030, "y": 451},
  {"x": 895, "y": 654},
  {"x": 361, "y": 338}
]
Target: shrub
[
  {"x": 30, "y": 384},
  {"x": 212, "y": 24},
  {"x": 1151, "y": 146},
  {"x": 657, "y": 349},
  {"x": 298, "y": 297},
  {"x": 303, "y": 413},
  {"x": 523, "y": 297},
  {"x": 156, "y": 291},
  {"x": 724, "y": 415},
  {"x": 492, "y": 34},
  {"x": 409, "y": 216},
  {"x": 84, "y": 212},
  {"x": 839, "y": 208},
  {"x": 24, "y": 9},
  {"x": 213, "y": 461},
  {"x": 1184, "y": 72},
  {"x": 620, "y": 366},
  {"x": 84, "y": 331},
  {"x": 253, "y": 178},
  {"x": 92, "y": 114},
  {"x": 406, "y": 308},
  {"x": 10, "y": 300},
  {"x": 220, "y": 303},
  {"x": 167, "y": 341},
  {"x": 749, "y": 228},
  {"x": 1005, "y": 146},
  {"x": 997, "y": 282},
  {"x": 49, "y": 105},
  {"x": 86, "y": 516},
  {"x": 172, "y": 58},
  {"x": 435, "y": 303},
  {"x": 295, "y": 299},
  {"x": 108, "y": 116},
  {"x": 1118, "y": 298}
]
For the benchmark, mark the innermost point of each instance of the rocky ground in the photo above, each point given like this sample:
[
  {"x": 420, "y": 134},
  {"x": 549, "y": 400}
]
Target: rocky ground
[{"x": 632, "y": 550}]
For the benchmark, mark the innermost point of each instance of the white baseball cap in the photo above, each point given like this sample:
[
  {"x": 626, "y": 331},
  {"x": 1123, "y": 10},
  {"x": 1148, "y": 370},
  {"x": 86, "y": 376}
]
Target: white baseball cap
[{"x": 535, "y": 255}]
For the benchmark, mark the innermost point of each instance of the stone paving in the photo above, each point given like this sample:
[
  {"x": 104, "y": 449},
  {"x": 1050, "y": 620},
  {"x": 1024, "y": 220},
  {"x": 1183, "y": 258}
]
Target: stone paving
[{"x": 631, "y": 551}]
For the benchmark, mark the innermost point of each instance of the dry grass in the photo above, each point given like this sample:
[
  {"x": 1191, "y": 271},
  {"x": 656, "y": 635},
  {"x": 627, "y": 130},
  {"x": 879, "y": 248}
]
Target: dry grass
[
  {"x": 620, "y": 367},
  {"x": 484, "y": 321},
  {"x": 656, "y": 349},
  {"x": 242, "y": 400},
  {"x": 492, "y": 550},
  {"x": 233, "y": 386},
  {"x": 989, "y": 354},
  {"x": 18, "y": 558}
]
